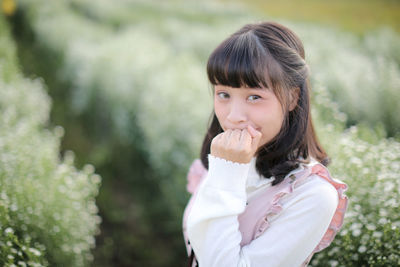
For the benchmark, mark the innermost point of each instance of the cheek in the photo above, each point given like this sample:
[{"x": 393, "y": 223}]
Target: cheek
[
  {"x": 219, "y": 110},
  {"x": 271, "y": 122}
]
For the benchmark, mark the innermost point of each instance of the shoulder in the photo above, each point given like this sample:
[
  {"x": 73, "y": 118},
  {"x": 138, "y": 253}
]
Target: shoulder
[
  {"x": 315, "y": 194},
  {"x": 318, "y": 188}
]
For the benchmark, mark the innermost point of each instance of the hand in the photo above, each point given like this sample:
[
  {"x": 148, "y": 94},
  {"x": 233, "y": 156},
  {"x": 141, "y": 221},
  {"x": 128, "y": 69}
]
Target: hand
[{"x": 236, "y": 145}]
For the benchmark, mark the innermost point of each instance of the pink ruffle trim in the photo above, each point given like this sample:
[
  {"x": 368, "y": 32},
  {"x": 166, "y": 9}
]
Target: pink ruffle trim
[
  {"x": 195, "y": 175},
  {"x": 338, "y": 217}
]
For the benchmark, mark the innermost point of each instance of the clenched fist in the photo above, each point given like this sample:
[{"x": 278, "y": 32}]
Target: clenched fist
[{"x": 236, "y": 145}]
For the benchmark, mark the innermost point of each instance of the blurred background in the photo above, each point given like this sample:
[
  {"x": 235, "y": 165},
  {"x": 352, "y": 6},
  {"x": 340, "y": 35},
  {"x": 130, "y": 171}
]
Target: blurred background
[{"x": 104, "y": 104}]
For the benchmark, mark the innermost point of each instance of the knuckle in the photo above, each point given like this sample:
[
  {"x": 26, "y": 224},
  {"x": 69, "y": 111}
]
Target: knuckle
[{"x": 214, "y": 142}]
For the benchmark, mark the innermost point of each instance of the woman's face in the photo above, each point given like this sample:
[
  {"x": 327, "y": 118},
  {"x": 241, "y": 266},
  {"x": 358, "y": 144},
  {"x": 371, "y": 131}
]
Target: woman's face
[{"x": 236, "y": 108}]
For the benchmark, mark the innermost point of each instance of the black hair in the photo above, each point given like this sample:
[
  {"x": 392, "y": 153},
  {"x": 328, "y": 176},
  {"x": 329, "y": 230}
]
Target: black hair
[{"x": 269, "y": 55}]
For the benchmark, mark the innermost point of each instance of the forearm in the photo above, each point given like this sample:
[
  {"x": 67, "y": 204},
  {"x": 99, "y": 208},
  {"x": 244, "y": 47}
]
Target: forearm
[{"x": 213, "y": 228}]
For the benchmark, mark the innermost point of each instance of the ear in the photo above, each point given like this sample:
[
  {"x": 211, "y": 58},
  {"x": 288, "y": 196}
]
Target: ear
[{"x": 294, "y": 98}]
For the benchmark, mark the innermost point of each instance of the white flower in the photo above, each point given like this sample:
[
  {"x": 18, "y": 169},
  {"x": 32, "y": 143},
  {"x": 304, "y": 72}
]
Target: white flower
[
  {"x": 9, "y": 230},
  {"x": 35, "y": 251}
]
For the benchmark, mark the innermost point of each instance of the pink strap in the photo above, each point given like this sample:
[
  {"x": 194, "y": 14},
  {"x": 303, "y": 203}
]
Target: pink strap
[
  {"x": 254, "y": 221},
  {"x": 338, "y": 217}
]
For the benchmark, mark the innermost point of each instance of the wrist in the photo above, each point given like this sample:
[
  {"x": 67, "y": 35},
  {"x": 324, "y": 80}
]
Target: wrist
[
  {"x": 227, "y": 175},
  {"x": 242, "y": 158}
]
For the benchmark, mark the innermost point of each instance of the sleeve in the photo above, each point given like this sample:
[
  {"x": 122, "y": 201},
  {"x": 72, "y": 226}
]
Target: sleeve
[{"x": 213, "y": 227}]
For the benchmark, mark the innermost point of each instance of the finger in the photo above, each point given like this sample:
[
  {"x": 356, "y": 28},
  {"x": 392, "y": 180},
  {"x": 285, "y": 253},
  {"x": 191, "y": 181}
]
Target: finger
[
  {"x": 256, "y": 136},
  {"x": 226, "y": 137},
  {"x": 216, "y": 140},
  {"x": 245, "y": 138},
  {"x": 253, "y": 132},
  {"x": 216, "y": 144},
  {"x": 244, "y": 134},
  {"x": 217, "y": 137},
  {"x": 235, "y": 136}
]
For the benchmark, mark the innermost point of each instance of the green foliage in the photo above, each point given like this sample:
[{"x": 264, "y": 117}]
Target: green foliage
[
  {"x": 362, "y": 74},
  {"x": 47, "y": 211},
  {"x": 137, "y": 69},
  {"x": 370, "y": 166}
]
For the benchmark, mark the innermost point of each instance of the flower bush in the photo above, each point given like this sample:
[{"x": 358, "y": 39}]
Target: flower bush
[
  {"x": 369, "y": 164},
  {"x": 48, "y": 214},
  {"x": 362, "y": 74},
  {"x": 145, "y": 63}
]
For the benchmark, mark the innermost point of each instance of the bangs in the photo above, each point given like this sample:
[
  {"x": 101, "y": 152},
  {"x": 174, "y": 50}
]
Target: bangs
[{"x": 236, "y": 62}]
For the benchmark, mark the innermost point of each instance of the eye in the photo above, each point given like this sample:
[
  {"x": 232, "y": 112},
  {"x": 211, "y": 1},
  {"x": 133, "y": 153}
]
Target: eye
[
  {"x": 222, "y": 95},
  {"x": 253, "y": 97}
]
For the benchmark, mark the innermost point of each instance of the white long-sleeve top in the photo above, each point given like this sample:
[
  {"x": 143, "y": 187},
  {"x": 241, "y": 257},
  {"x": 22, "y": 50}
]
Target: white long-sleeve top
[{"x": 213, "y": 227}]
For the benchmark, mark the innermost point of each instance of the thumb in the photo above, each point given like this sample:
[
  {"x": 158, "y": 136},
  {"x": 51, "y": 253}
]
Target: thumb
[{"x": 256, "y": 137}]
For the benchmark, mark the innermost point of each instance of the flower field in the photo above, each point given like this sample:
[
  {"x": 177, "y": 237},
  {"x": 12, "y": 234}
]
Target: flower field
[
  {"x": 128, "y": 85},
  {"x": 48, "y": 213}
]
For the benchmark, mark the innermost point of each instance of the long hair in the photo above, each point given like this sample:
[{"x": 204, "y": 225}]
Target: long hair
[{"x": 269, "y": 55}]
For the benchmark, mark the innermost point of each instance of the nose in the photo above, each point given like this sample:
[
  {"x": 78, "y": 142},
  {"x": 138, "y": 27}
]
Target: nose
[{"x": 237, "y": 114}]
